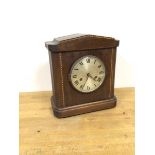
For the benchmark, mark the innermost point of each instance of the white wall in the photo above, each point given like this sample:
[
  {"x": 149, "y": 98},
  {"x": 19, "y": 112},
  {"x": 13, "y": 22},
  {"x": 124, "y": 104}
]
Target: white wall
[
  {"x": 40, "y": 21},
  {"x": 26, "y": 24}
]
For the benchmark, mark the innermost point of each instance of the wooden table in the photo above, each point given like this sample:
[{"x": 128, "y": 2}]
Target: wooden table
[{"x": 107, "y": 132}]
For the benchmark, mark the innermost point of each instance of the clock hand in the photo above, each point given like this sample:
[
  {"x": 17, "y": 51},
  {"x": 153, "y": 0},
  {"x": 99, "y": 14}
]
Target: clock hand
[
  {"x": 89, "y": 75},
  {"x": 86, "y": 81}
]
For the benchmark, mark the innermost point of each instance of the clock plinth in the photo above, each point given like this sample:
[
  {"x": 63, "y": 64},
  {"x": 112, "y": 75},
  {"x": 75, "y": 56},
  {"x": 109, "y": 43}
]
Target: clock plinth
[
  {"x": 82, "y": 73},
  {"x": 83, "y": 108}
]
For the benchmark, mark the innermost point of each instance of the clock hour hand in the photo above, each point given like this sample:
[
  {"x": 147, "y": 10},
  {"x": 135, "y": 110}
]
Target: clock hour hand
[{"x": 89, "y": 75}]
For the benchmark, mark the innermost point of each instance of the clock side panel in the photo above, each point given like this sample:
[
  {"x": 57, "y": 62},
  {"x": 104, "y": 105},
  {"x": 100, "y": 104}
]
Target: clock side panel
[
  {"x": 56, "y": 78},
  {"x": 112, "y": 73},
  {"x": 105, "y": 91}
]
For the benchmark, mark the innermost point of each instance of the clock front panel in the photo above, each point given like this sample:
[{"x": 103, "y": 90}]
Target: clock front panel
[{"x": 86, "y": 76}]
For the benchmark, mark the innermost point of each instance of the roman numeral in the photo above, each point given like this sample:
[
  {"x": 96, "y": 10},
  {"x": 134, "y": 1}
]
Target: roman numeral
[
  {"x": 88, "y": 60},
  {"x": 88, "y": 88},
  {"x": 101, "y": 72},
  {"x": 99, "y": 66},
  {"x": 81, "y": 87},
  {"x": 81, "y": 63},
  {"x": 74, "y": 76},
  {"x": 76, "y": 82},
  {"x": 99, "y": 79}
]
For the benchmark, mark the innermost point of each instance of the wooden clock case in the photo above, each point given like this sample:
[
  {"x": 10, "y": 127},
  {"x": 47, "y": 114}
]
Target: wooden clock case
[{"x": 63, "y": 52}]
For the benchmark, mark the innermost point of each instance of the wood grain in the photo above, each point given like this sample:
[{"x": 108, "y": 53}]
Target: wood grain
[
  {"x": 81, "y": 42},
  {"x": 107, "y": 132}
]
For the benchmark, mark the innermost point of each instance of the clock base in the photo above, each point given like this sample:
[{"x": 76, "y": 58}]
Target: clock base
[{"x": 83, "y": 108}]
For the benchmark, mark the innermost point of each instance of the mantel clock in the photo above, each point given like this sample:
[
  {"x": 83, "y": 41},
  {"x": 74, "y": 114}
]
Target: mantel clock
[{"x": 82, "y": 72}]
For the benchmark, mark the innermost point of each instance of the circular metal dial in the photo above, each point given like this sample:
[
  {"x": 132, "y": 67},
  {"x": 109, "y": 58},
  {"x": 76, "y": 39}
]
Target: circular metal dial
[{"x": 87, "y": 74}]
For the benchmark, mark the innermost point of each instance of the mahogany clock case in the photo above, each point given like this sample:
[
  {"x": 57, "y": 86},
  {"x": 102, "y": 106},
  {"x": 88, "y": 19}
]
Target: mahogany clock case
[{"x": 63, "y": 52}]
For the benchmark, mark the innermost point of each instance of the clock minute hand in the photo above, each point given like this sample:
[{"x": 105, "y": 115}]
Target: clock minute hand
[{"x": 86, "y": 81}]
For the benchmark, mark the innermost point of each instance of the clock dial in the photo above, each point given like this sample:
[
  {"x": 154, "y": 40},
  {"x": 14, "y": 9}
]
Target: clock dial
[{"x": 87, "y": 74}]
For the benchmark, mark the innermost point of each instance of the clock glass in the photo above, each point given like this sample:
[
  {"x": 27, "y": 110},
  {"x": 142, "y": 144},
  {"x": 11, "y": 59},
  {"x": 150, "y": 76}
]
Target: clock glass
[{"x": 87, "y": 74}]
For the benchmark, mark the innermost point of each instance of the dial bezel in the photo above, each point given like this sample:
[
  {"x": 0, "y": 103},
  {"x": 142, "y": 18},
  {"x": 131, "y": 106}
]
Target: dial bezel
[{"x": 72, "y": 67}]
